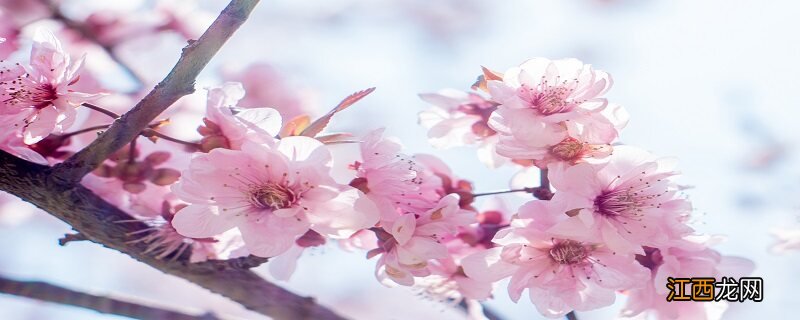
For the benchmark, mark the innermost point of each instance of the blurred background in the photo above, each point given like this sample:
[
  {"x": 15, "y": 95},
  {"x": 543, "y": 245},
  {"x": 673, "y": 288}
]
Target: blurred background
[{"x": 708, "y": 82}]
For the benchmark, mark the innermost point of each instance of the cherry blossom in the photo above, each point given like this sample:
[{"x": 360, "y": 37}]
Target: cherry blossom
[
  {"x": 561, "y": 272},
  {"x": 271, "y": 194},
  {"x": 554, "y": 111},
  {"x": 458, "y": 118},
  {"x": 412, "y": 240},
  {"x": 397, "y": 183},
  {"x": 628, "y": 202},
  {"x": 37, "y": 97},
  {"x": 227, "y": 127},
  {"x": 686, "y": 259}
]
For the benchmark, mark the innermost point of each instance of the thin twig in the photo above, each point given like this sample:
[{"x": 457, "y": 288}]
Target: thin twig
[
  {"x": 153, "y": 133},
  {"x": 101, "y": 110},
  {"x": 571, "y": 316},
  {"x": 108, "y": 305},
  {"x": 89, "y": 129},
  {"x": 70, "y": 237},
  {"x": 89, "y": 35},
  {"x": 178, "y": 83},
  {"x": 543, "y": 191},
  {"x": 503, "y": 191}
]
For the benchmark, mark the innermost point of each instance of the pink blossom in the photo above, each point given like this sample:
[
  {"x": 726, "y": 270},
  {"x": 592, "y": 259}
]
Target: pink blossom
[
  {"x": 628, "y": 202},
  {"x": 37, "y": 96},
  {"x": 561, "y": 272},
  {"x": 396, "y": 182},
  {"x": 228, "y": 127},
  {"x": 271, "y": 194},
  {"x": 685, "y": 260},
  {"x": 412, "y": 240},
  {"x": 450, "y": 182},
  {"x": 458, "y": 118},
  {"x": 11, "y": 142},
  {"x": 554, "y": 111}
]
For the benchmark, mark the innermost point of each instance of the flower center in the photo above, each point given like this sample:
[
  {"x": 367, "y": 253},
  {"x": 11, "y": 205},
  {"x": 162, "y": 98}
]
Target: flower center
[
  {"x": 273, "y": 196},
  {"x": 39, "y": 96},
  {"x": 548, "y": 99},
  {"x": 569, "y": 252},
  {"x": 569, "y": 149},
  {"x": 629, "y": 202}
]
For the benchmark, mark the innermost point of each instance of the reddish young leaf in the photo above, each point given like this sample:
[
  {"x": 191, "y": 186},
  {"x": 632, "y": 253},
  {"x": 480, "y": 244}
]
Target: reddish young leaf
[
  {"x": 295, "y": 126},
  {"x": 318, "y": 125}
]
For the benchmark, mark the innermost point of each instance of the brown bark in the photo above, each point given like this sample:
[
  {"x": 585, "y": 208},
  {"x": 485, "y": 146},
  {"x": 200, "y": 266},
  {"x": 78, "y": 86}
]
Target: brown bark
[{"x": 98, "y": 221}]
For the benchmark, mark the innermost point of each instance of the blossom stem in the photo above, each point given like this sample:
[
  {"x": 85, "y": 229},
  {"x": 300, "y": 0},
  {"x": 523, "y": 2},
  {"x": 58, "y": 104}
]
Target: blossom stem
[
  {"x": 543, "y": 191},
  {"x": 544, "y": 179},
  {"x": 101, "y": 110},
  {"x": 89, "y": 129},
  {"x": 571, "y": 315},
  {"x": 529, "y": 190},
  {"x": 132, "y": 151},
  {"x": 108, "y": 305},
  {"x": 153, "y": 133}
]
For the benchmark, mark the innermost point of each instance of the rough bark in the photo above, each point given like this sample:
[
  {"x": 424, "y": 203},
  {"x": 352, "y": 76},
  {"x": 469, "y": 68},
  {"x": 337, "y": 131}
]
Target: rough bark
[{"x": 99, "y": 220}]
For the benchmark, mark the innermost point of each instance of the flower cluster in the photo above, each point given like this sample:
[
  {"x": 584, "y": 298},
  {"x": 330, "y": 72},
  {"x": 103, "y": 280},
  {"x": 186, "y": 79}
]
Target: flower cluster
[
  {"x": 616, "y": 221},
  {"x": 263, "y": 181}
]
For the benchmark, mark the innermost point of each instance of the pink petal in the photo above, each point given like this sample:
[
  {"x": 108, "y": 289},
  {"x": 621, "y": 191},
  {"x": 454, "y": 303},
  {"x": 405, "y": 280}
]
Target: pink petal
[
  {"x": 200, "y": 221},
  {"x": 487, "y": 266},
  {"x": 403, "y": 228}
]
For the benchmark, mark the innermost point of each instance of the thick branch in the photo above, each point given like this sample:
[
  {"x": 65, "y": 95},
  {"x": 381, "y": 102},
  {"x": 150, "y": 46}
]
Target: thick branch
[
  {"x": 53, "y": 293},
  {"x": 178, "y": 83},
  {"x": 97, "y": 220}
]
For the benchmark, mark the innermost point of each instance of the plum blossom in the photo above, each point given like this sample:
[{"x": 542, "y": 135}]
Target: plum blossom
[
  {"x": 227, "y": 127},
  {"x": 37, "y": 96},
  {"x": 396, "y": 182},
  {"x": 412, "y": 240},
  {"x": 458, "y": 118},
  {"x": 561, "y": 272},
  {"x": 11, "y": 142},
  {"x": 553, "y": 110},
  {"x": 685, "y": 259},
  {"x": 628, "y": 202},
  {"x": 272, "y": 194}
]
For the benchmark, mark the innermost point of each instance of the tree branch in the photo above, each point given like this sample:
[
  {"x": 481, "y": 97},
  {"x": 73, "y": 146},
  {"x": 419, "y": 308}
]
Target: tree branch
[
  {"x": 543, "y": 191},
  {"x": 178, "y": 83},
  {"x": 98, "y": 221},
  {"x": 108, "y": 305},
  {"x": 89, "y": 35},
  {"x": 487, "y": 312}
]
